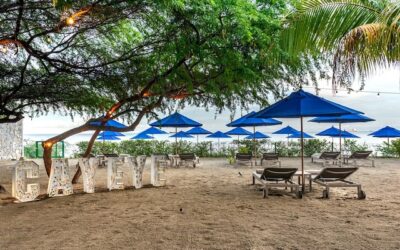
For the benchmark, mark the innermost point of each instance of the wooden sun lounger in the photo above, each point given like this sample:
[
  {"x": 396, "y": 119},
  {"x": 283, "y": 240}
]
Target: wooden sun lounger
[
  {"x": 242, "y": 158},
  {"x": 325, "y": 158},
  {"x": 188, "y": 158},
  {"x": 272, "y": 158},
  {"x": 336, "y": 177},
  {"x": 277, "y": 177},
  {"x": 359, "y": 156}
]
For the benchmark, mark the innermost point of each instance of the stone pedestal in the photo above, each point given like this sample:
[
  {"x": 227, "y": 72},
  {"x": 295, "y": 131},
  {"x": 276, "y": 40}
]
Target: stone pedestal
[
  {"x": 23, "y": 172},
  {"x": 114, "y": 173},
  {"x": 157, "y": 171},
  {"x": 88, "y": 167},
  {"x": 137, "y": 164},
  {"x": 11, "y": 141},
  {"x": 59, "y": 181}
]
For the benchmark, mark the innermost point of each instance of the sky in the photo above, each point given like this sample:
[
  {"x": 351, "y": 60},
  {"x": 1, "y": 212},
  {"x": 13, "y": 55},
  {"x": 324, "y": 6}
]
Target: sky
[{"x": 384, "y": 108}]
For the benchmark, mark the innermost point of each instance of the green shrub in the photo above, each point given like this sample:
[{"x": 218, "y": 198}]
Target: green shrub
[
  {"x": 391, "y": 149},
  {"x": 312, "y": 146},
  {"x": 352, "y": 146}
]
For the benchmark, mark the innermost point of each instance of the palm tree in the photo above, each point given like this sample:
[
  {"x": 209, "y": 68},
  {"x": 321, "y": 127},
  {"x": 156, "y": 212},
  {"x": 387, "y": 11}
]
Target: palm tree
[{"x": 360, "y": 34}]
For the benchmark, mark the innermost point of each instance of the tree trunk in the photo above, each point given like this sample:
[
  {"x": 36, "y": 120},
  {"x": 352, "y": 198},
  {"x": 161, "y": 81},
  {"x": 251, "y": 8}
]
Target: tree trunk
[{"x": 85, "y": 155}]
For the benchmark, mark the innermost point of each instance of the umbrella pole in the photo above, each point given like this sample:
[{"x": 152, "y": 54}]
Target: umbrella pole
[
  {"x": 340, "y": 144},
  {"x": 197, "y": 139},
  {"x": 332, "y": 144},
  {"x": 176, "y": 141},
  {"x": 238, "y": 143},
  {"x": 388, "y": 141},
  {"x": 302, "y": 155},
  {"x": 218, "y": 146},
  {"x": 255, "y": 146}
]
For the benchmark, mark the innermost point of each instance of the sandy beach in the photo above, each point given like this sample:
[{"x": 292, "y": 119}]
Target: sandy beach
[{"x": 220, "y": 210}]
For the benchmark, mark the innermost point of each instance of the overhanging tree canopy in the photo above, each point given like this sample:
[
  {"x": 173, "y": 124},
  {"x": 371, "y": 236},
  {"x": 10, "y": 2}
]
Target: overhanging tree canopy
[{"x": 127, "y": 59}]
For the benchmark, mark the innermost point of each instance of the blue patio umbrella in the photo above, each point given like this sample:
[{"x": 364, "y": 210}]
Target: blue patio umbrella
[
  {"x": 110, "y": 133},
  {"x": 349, "y": 118},
  {"x": 238, "y": 131},
  {"x": 153, "y": 131},
  {"x": 108, "y": 138},
  {"x": 286, "y": 131},
  {"x": 198, "y": 131},
  {"x": 218, "y": 135},
  {"x": 336, "y": 133},
  {"x": 301, "y": 135},
  {"x": 302, "y": 104},
  {"x": 386, "y": 132},
  {"x": 181, "y": 134},
  {"x": 249, "y": 121},
  {"x": 109, "y": 123},
  {"x": 257, "y": 135},
  {"x": 142, "y": 136},
  {"x": 176, "y": 121}
]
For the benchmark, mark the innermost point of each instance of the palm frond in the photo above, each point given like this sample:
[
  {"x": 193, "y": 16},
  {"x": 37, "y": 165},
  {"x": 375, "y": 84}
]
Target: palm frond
[{"x": 321, "y": 24}]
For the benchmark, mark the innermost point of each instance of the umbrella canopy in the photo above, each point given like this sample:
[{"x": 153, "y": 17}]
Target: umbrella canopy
[
  {"x": 286, "y": 131},
  {"x": 218, "y": 134},
  {"x": 108, "y": 138},
  {"x": 238, "y": 131},
  {"x": 304, "y": 104},
  {"x": 176, "y": 120},
  {"x": 109, "y": 123},
  {"x": 257, "y": 135},
  {"x": 198, "y": 131},
  {"x": 350, "y": 118},
  {"x": 142, "y": 136},
  {"x": 301, "y": 104},
  {"x": 110, "y": 133},
  {"x": 299, "y": 135},
  {"x": 153, "y": 131},
  {"x": 181, "y": 134},
  {"x": 335, "y": 132},
  {"x": 247, "y": 121},
  {"x": 386, "y": 132}
]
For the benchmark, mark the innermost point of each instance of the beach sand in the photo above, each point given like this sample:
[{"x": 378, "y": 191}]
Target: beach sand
[{"x": 220, "y": 210}]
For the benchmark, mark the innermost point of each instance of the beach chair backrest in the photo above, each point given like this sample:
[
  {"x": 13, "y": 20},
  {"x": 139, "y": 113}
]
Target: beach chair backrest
[
  {"x": 278, "y": 174},
  {"x": 187, "y": 156},
  {"x": 330, "y": 155},
  {"x": 243, "y": 156},
  {"x": 335, "y": 174},
  {"x": 270, "y": 156},
  {"x": 360, "y": 155},
  {"x": 111, "y": 155}
]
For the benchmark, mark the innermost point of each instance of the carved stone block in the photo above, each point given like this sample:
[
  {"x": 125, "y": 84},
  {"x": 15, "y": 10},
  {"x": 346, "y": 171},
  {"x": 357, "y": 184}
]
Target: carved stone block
[
  {"x": 157, "y": 171},
  {"x": 23, "y": 172},
  {"x": 59, "y": 181},
  {"x": 115, "y": 173},
  {"x": 88, "y": 168},
  {"x": 137, "y": 165}
]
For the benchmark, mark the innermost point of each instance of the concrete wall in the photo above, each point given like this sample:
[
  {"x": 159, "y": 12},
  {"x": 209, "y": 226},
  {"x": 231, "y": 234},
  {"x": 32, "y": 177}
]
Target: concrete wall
[{"x": 11, "y": 141}]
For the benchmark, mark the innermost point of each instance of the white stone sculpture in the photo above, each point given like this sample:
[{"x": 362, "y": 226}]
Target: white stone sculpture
[
  {"x": 59, "y": 181},
  {"x": 157, "y": 171},
  {"x": 137, "y": 165},
  {"x": 88, "y": 168},
  {"x": 23, "y": 172},
  {"x": 11, "y": 141},
  {"x": 114, "y": 173}
]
